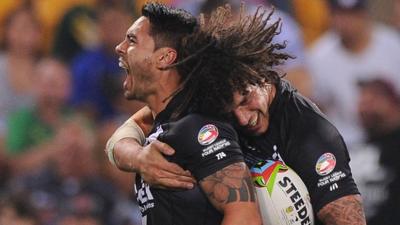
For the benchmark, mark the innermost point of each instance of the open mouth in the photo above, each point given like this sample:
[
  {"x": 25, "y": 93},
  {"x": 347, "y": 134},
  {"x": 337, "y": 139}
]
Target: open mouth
[
  {"x": 123, "y": 65},
  {"x": 253, "y": 121}
]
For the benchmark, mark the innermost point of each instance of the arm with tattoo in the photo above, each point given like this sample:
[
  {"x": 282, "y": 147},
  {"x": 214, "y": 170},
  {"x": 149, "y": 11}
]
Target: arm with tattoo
[
  {"x": 231, "y": 191},
  {"x": 347, "y": 210}
]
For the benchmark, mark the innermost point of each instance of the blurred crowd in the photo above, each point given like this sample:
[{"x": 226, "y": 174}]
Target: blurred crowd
[{"x": 61, "y": 98}]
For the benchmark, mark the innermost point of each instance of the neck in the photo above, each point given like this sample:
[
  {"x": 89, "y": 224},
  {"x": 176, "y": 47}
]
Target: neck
[{"x": 167, "y": 85}]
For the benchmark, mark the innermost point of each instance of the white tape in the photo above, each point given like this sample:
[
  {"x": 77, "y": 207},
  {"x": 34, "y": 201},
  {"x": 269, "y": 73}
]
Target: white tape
[{"x": 130, "y": 129}]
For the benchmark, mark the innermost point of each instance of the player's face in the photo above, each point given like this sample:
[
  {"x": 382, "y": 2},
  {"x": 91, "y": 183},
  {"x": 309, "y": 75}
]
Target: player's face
[
  {"x": 251, "y": 109},
  {"x": 137, "y": 57}
]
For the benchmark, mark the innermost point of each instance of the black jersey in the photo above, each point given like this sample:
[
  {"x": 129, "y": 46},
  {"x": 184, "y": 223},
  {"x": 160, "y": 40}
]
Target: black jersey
[
  {"x": 301, "y": 136},
  {"x": 203, "y": 146}
]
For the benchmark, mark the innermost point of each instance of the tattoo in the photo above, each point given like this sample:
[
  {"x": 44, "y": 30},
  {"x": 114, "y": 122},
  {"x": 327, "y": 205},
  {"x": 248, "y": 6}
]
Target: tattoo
[
  {"x": 231, "y": 184},
  {"x": 347, "y": 210}
]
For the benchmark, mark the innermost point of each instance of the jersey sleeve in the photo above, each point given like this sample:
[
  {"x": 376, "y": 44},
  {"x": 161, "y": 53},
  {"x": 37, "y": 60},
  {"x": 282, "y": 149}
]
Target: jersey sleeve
[
  {"x": 202, "y": 145},
  {"x": 320, "y": 157}
]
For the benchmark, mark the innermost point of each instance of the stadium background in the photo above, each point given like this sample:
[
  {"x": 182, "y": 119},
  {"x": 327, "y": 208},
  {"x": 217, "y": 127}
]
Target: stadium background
[{"x": 60, "y": 99}]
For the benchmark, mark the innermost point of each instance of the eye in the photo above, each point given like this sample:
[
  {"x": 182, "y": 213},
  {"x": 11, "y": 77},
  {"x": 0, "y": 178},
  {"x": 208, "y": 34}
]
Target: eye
[{"x": 131, "y": 39}]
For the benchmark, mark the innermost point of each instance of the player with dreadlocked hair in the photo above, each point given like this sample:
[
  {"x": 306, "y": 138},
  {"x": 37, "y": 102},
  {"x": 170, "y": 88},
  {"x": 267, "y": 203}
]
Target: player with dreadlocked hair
[{"x": 226, "y": 56}]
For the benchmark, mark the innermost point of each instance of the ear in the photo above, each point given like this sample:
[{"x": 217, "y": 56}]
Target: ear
[{"x": 166, "y": 56}]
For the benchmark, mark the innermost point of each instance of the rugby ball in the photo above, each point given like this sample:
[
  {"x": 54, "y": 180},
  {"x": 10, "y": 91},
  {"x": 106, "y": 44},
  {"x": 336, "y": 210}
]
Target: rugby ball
[{"x": 282, "y": 196}]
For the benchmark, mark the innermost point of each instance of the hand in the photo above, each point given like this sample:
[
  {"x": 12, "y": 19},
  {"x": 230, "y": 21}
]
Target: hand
[{"x": 158, "y": 172}]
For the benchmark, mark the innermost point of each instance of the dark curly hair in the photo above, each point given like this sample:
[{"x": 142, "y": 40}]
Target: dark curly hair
[
  {"x": 225, "y": 56},
  {"x": 168, "y": 25}
]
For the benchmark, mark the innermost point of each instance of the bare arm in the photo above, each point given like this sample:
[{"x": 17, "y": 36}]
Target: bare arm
[
  {"x": 231, "y": 191},
  {"x": 149, "y": 161},
  {"x": 144, "y": 118},
  {"x": 347, "y": 210},
  {"x": 151, "y": 164}
]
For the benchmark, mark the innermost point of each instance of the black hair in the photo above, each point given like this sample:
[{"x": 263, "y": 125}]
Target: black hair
[
  {"x": 224, "y": 56},
  {"x": 168, "y": 25}
]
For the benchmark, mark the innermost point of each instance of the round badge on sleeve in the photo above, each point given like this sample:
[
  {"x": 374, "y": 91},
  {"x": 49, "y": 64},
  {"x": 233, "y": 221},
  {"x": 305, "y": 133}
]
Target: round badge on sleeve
[
  {"x": 207, "y": 134},
  {"x": 325, "y": 164}
]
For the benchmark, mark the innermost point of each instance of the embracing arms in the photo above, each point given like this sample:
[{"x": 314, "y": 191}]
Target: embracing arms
[
  {"x": 125, "y": 150},
  {"x": 229, "y": 189}
]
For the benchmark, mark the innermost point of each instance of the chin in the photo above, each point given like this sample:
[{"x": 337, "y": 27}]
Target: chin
[
  {"x": 129, "y": 96},
  {"x": 257, "y": 133},
  {"x": 260, "y": 131}
]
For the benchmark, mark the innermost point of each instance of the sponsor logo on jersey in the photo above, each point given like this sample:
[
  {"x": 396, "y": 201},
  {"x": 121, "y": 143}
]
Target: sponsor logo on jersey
[
  {"x": 217, "y": 146},
  {"x": 207, "y": 134},
  {"x": 331, "y": 178},
  {"x": 325, "y": 164}
]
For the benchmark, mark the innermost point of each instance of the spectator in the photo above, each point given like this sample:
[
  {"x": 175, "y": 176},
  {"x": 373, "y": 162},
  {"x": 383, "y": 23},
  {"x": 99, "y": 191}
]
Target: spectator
[
  {"x": 353, "y": 49},
  {"x": 94, "y": 69},
  {"x": 379, "y": 110},
  {"x": 76, "y": 31},
  {"x": 312, "y": 17},
  {"x": 21, "y": 48},
  {"x": 70, "y": 188},
  {"x": 37, "y": 132},
  {"x": 51, "y": 12}
]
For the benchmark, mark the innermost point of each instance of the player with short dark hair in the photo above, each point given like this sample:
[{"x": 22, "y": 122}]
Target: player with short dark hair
[{"x": 208, "y": 148}]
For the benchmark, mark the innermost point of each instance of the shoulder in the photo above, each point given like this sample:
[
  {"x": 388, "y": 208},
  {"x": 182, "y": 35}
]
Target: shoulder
[
  {"x": 297, "y": 104},
  {"x": 194, "y": 123},
  {"x": 197, "y": 132},
  {"x": 304, "y": 116}
]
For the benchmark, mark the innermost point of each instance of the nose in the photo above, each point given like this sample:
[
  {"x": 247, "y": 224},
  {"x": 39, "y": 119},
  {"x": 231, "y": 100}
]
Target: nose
[
  {"x": 242, "y": 116},
  {"x": 119, "y": 48}
]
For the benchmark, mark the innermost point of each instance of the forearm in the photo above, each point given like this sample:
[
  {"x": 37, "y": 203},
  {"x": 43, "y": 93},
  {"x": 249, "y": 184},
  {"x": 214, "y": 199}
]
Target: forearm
[
  {"x": 125, "y": 143},
  {"x": 347, "y": 210},
  {"x": 249, "y": 216},
  {"x": 125, "y": 154}
]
